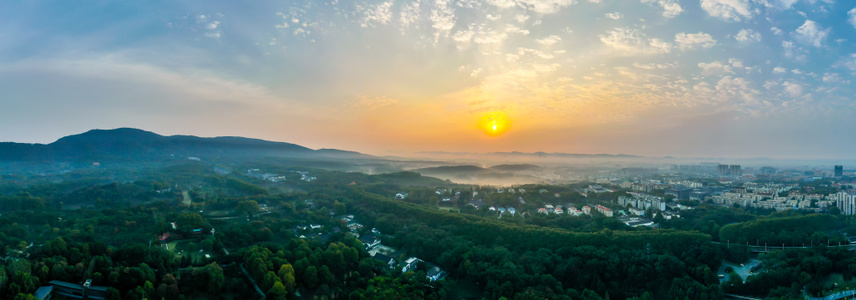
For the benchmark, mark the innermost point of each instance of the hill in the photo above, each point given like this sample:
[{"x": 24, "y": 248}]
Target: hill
[
  {"x": 136, "y": 144},
  {"x": 516, "y": 168}
]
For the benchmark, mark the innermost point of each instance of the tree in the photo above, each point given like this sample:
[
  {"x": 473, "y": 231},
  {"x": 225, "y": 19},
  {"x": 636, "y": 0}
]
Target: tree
[
  {"x": 286, "y": 274},
  {"x": 113, "y": 294},
  {"x": 22, "y": 296},
  {"x": 247, "y": 207},
  {"x": 834, "y": 210},
  {"x": 310, "y": 277},
  {"x": 278, "y": 291},
  {"x": 215, "y": 277},
  {"x": 339, "y": 208},
  {"x": 189, "y": 220},
  {"x": 325, "y": 275},
  {"x": 658, "y": 218}
]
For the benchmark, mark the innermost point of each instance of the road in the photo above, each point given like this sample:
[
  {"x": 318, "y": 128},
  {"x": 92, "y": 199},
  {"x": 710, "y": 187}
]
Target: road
[{"x": 839, "y": 295}]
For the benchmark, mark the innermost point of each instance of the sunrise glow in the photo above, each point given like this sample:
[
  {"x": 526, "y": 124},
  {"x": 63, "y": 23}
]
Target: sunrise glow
[{"x": 494, "y": 123}]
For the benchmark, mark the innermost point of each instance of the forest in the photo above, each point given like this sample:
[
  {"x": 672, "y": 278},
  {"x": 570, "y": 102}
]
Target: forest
[{"x": 195, "y": 232}]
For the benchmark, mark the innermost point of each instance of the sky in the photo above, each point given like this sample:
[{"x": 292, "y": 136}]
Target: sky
[{"x": 684, "y": 78}]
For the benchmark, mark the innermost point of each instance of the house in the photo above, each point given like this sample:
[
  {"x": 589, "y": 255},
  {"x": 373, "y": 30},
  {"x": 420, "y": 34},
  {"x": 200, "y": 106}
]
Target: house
[
  {"x": 512, "y": 211},
  {"x": 389, "y": 261},
  {"x": 410, "y": 264},
  {"x": 435, "y": 274},
  {"x": 587, "y": 210},
  {"x": 369, "y": 240},
  {"x": 559, "y": 211},
  {"x": 543, "y": 211},
  {"x": 164, "y": 237},
  {"x": 401, "y": 195},
  {"x": 605, "y": 211}
]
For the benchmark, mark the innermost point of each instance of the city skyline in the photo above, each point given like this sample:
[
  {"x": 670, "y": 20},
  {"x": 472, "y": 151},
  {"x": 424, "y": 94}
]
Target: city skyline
[{"x": 703, "y": 78}]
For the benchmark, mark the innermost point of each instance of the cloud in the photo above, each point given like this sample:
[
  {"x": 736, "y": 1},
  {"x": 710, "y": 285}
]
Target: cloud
[
  {"x": 831, "y": 77},
  {"x": 730, "y": 89},
  {"x": 848, "y": 62},
  {"x": 631, "y": 41},
  {"x": 442, "y": 18},
  {"x": 210, "y": 26},
  {"x": 793, "y": 52},
  {"x": 538, "y": 6},
  {"x": 779, "y": 70},
  {"x": 523, "y": 51},
  {"x": 463, "y": 36},
  {"x": 546, "y": 6},
  {"x": 671, "y": 8},
  {"x": 409, "y": 13},
  {"x": 810, "y": 33},
  {"x": 502, "y": 3},
  {"x": 747, "y": 35},
  {"x": 549, "y": 41},
  {"x": 786, "y": 4},
  {"x": 851, "y": 17},
  {"x": 730, "y": 10},
  {"x": 379, "y": 14},
  {"x": 691, "y": 41},
  {"x": 776, "y": 30},
  {"x": 714, "y": 68},
  {"x": 793, "y": 89},
  {"x": 475, "y": 73},
  {"x": 614, "y": 15},
  {"x": 653, "y": 66},
  {"x": 485, "y": 35}
]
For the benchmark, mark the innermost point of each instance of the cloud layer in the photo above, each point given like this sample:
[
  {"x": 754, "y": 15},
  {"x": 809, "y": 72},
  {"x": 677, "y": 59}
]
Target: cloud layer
[{"x": 376, "y": 76}]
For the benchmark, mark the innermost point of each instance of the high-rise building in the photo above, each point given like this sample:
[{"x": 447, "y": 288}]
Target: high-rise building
[
  {"x": 734, "y": 170},
  {"x": 846, "y": 203},
  {"x": 723, "y": 170},
  {"x": 839, "y": 170}
]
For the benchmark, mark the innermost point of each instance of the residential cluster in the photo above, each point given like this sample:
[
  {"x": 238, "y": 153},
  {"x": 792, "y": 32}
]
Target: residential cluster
[
  {"x": 256, "y": 173},
  {"x": 372, "y": 243}
]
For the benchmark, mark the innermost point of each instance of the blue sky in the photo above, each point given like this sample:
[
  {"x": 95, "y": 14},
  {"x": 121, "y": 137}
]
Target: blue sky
[{"x": 725, "y": 78}]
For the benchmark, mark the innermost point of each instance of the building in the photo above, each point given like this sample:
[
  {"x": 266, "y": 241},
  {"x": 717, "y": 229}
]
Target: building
[
  {"x": 723, "y": 170},
  {"x": 369, "y": 241},
  {"x": 730, "y": 170},
  {"x": 435, "y": 274},
  {"x": 77, "y": 291},
  {"x": 734, "y": 170},
  {"x": 410, "y": 264},
  {"x": 839, "y": 170},
  {"x": 44, "y": 293},
  {"x": 605, "y": 211},
  {"x": 846, "y": 202}
]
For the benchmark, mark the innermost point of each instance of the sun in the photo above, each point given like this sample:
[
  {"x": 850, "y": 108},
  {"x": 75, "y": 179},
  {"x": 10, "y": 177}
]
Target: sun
[{"x": 494, "y": 123}]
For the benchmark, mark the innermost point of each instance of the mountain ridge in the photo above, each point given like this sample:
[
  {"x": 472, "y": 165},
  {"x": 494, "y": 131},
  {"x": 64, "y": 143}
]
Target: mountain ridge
[{"x": 132, "y": 143}]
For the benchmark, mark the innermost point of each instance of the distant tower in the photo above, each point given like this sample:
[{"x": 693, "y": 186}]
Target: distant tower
[
  {"x": 839, "y": 170},
  {"x": 723, "y": 170},
  {"x": 734, "y": 170}
]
